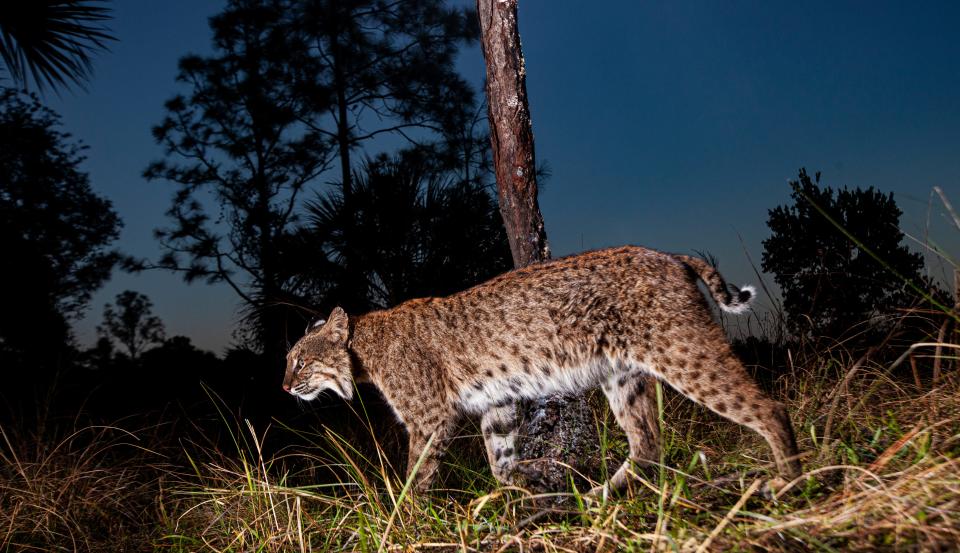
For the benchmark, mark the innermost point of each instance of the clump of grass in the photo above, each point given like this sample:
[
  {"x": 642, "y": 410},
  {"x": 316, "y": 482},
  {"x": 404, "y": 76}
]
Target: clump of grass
[{"x": 90, "y": 491}]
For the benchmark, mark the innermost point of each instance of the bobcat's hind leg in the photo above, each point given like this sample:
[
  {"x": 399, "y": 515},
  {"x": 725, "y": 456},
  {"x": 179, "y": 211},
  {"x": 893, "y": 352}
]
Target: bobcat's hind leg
[
  {"x": 499, "y": 427},
  {"x": 716, "y": 379},
  {"x": 633, "y": 400}
]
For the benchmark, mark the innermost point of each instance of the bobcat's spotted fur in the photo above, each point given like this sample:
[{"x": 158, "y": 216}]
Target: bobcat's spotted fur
[{"x": 617, "y": 318}]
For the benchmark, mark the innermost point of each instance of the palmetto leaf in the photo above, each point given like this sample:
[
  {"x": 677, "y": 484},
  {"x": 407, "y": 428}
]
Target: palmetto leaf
[{"x": 52, "y": 40}]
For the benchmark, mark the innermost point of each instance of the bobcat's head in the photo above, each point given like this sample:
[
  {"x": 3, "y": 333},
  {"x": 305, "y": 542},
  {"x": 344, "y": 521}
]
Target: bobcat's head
[{"x": 320, "y": 360}]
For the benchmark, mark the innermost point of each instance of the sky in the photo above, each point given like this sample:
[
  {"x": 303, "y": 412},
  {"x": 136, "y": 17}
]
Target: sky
[{"x": 673, "y": 125}]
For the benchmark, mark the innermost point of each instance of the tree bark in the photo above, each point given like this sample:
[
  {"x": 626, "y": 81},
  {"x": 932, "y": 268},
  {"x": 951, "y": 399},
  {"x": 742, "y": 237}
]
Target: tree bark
[
  {"x": 511, "y": 133},
  {"x": 555, "y": 431}
]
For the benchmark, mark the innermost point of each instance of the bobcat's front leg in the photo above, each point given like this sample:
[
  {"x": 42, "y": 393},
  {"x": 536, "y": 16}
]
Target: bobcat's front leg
[{"x": 428, "y": 441}]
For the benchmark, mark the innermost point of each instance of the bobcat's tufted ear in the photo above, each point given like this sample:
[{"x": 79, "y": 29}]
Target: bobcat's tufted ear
[{"x": 338, "y": 324}]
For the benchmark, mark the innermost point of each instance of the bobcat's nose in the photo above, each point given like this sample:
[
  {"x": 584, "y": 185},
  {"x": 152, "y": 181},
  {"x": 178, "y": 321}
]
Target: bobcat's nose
[{"x": 286, "y": 386}]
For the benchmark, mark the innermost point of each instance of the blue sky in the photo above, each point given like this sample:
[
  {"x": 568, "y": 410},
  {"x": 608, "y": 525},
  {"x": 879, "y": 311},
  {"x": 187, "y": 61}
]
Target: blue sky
[{"x": 674, "y": 125}]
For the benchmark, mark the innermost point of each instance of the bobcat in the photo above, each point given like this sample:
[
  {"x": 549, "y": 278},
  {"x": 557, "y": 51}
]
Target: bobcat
[{"x": 615, "y": 317}]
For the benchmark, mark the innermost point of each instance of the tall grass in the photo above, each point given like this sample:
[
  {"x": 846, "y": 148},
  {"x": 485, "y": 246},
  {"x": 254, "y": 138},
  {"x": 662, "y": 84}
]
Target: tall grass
[
  {"x": 88, "y": 491},
  {"x": 886, "y": 478}
]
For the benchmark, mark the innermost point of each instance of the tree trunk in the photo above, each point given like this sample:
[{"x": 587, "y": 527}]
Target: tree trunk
[
  {"x": 560, "y": 430},
  {"x": 343, "y": 138},
  {"x": 353, "y": 297},
  {"x": 511, "y": 133},
  {"x": 273, "y": 331}
]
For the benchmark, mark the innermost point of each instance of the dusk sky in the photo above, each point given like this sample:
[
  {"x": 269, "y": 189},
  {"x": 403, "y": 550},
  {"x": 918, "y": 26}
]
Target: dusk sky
[{"x": 672, "y": 125}]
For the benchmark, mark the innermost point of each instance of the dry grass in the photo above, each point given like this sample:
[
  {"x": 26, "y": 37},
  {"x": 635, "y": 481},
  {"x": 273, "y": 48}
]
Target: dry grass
[
  {"x": 86, "y": 492},
  {"x": 886, "y": 478}
]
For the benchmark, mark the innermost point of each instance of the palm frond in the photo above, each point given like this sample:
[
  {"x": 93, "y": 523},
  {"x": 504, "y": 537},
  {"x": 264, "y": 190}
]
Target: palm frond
[{"x": 52, "y": 40}]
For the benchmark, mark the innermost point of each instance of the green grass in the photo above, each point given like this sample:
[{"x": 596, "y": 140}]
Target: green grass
[{"x": 886, "y": 478}]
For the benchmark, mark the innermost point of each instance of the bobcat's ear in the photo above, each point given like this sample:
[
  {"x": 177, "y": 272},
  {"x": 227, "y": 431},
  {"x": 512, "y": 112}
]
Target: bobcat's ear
[{"x": 338, "y": 324}]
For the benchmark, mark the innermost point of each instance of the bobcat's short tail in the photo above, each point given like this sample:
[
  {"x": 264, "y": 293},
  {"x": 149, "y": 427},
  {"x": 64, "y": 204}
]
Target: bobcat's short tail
[{"x": 731, "y": 302}]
